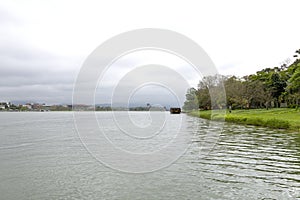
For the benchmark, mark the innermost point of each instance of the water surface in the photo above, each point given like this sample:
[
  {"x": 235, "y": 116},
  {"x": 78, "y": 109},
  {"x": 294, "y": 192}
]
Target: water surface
[{"x": 42, "y": 157}]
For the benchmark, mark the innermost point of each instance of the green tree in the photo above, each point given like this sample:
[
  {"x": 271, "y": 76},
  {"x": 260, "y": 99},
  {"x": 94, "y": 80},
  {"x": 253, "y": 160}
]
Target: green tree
[
  {"x": 265, "y": 87},
  {"x": 277, "y": 86},
  {"x": 211, "y": 86},
  {"x": 234, "y": 92},
  {"x": 191, "y": 102},
  {"x": 293, "y": 87}
]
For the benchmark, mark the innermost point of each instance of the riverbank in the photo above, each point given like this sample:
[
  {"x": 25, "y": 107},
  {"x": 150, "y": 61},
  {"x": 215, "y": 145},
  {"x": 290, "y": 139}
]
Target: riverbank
[{"x": 279, "y": 118}]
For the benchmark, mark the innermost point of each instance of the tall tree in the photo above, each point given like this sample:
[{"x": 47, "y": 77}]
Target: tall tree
[{"x": 191, "y": 102}]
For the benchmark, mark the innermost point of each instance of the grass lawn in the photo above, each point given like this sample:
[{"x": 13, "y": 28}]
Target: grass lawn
[{"x": 285, "y": 118}]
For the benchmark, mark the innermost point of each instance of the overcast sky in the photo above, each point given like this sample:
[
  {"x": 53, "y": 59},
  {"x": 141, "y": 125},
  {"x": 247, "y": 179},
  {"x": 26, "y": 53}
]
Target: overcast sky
[{"x": 44, "y": 43}]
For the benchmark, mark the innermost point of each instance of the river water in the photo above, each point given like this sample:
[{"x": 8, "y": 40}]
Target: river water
[{"x": 42, "y": 157}]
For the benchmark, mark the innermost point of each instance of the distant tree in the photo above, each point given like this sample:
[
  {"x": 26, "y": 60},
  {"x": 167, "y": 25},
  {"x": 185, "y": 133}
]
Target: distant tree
[{"x": 23, "y": 108}]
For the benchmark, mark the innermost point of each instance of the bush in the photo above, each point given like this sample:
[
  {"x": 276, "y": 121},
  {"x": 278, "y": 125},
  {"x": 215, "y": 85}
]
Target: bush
[
  {"x": 205, "y": 115},
  {"x": 240, "y": 120},
  {"x": 277, "y": 123},
  {"x": 255, "y": 121},
  {"x": 258, "y": 118},
  {"x": 293, "y": 106},
  {"x": 272, "y": 123}
]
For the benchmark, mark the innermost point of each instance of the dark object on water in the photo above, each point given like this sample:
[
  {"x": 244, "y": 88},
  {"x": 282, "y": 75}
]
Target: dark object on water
[{"x": 175, "y": 110}]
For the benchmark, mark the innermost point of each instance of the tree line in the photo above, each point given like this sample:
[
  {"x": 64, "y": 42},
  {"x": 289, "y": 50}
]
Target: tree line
[{"x": 270, "y": 87}]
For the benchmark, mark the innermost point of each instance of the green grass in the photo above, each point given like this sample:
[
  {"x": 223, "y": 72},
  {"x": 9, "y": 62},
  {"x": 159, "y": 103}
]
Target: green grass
[{"x": 280, "y": 118}]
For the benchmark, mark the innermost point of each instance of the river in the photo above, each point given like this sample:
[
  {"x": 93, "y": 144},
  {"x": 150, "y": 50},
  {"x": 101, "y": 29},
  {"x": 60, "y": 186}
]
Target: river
[{"x": 42, "y": 156}]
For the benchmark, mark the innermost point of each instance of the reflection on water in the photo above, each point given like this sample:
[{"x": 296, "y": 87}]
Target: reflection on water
[{"x": 43, "y": 158}]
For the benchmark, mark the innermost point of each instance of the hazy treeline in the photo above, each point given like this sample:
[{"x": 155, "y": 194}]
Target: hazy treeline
[{"x": 270, "y": 87}]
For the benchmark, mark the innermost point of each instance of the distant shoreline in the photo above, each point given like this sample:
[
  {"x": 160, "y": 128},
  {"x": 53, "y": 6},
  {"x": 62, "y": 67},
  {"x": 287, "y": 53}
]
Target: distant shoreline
[{"x": 35, "y": 111}]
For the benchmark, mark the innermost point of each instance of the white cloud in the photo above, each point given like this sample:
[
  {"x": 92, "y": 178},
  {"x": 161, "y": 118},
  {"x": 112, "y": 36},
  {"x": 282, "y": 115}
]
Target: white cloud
[{"x": 54, "y": 37}]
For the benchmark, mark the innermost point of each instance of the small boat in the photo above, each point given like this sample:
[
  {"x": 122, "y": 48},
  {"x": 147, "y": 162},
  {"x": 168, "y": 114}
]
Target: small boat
[{"x": 175, "y": 110}]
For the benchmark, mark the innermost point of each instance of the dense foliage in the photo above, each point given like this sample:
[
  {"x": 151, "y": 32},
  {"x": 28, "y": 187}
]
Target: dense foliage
[{"x": 270, "y": 87}]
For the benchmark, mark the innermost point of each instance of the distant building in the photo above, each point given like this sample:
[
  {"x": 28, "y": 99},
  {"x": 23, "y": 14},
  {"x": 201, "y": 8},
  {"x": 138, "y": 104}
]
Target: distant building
[
  {"x": 28, "y": 106},
  {"x": 5, "y": 105},
  {"x": 36, "y": 106}
]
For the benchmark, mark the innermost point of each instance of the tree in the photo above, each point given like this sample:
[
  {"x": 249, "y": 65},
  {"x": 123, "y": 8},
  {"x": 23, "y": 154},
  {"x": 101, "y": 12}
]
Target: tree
[
  {"x": 234, "y": 92},
  {"x": 277, "y": 86},
  {"x": 211, "y": 86},
  {"x": 264, "y": 88},
  {"x": 294, "y": 84},
  {"x": 297, "y": 53},
  {"x": 191, "y": 102}
]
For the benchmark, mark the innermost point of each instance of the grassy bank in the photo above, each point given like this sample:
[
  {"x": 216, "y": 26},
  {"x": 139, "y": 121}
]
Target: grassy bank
[{"x": 281, "y": 118}]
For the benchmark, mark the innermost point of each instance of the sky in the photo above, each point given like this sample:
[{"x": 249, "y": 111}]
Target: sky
[{"x": 43, "y": 44}]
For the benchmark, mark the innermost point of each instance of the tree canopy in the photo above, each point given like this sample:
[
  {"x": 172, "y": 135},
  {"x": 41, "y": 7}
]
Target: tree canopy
[{"x": 270, "y": 87}]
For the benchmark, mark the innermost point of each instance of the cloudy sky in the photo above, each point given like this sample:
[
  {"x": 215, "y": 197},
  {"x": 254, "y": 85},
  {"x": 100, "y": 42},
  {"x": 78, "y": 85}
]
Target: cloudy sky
[{"x": 43, "y": 44}]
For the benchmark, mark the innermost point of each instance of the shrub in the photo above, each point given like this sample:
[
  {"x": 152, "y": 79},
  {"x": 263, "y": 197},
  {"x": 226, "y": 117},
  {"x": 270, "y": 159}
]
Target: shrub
[
  {"x": 236, "y": 119},
  {"x": 205, "y": 115},
  {"x": 255, "y": 121},
  {"x": 277, "y": 123}
]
